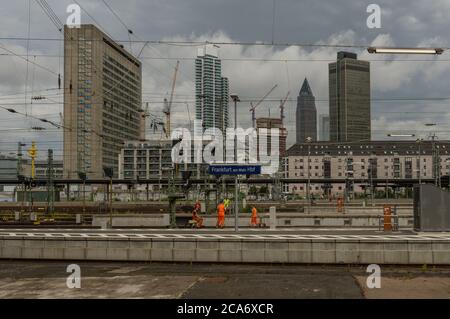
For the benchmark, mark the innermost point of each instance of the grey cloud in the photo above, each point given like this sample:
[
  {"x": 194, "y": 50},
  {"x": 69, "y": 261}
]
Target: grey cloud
[{"x": 404, "y": 23}]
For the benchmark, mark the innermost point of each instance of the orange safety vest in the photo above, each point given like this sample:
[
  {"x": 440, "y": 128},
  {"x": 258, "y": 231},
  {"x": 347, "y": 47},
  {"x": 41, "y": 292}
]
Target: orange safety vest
[{"x": 254, "y": 212}]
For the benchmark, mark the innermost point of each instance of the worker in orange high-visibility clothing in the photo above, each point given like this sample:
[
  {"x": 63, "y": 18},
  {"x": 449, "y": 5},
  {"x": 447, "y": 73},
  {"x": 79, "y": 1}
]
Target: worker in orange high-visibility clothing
[
  {"x": 195, "y": 216},
  {"x": 220, "y": 215},
  {"x": 254, "y": 220}
]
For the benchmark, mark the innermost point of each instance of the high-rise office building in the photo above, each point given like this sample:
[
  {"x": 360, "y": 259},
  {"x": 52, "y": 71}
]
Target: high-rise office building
[
  {"x": 211, "y": 89},
  {"x": 349, "y": 92},
  {"x": 102, "y": 101},
  {"x": 306, "y": 117},
  {"x": 324, "y": 127}
]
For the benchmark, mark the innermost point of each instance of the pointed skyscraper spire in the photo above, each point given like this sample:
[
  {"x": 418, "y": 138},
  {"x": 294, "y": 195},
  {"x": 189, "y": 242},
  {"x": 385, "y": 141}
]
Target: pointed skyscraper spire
[
  {"x": 306, "y": 89},
  {"x": 306, "y": 117}
]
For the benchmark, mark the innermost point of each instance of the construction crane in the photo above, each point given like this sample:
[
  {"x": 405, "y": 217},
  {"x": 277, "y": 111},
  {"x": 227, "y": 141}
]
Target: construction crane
[
  {"x": 282, "y": 103},
  {"x": 253, "y": 107},
  {"x": 168, "y": 104}
]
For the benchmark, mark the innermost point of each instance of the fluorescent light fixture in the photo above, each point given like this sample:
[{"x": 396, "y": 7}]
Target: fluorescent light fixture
[
  {"x": 401, "y": 135},
  {"x": 405, "y": 50}
]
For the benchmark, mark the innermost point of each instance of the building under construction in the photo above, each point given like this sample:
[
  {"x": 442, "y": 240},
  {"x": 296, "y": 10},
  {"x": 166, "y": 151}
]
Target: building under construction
[{"x": 272, "y": 123}]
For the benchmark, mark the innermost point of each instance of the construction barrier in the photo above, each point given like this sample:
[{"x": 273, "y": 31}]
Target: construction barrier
[{"x": 387, "y": 212}]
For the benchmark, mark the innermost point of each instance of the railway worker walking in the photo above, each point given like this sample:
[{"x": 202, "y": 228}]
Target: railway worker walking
[
  {"x": 195, "y": 216},
  {"x": 254, "y": 219},
  {"x": 220, "y": 215},
  {"x": 226, "y": 203}
]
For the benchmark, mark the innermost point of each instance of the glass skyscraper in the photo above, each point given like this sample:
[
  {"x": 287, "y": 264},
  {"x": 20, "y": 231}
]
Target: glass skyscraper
[{"x": 211, "y": 89}]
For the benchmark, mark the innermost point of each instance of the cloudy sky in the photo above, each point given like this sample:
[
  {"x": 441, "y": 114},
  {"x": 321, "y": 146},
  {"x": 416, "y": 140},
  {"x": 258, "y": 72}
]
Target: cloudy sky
[{"x": 407, "y": 91}]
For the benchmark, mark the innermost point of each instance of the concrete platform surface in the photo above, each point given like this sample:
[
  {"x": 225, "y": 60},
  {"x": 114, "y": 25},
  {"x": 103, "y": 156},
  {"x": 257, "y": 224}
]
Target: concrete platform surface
[
  {"x": 255, "y": 233},
  {"x": 47, "y": 279},
  {"x": 258, "y": 246}
]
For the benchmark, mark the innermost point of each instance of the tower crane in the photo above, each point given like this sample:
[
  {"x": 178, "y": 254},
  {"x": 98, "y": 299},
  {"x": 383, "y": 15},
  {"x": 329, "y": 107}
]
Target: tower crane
[
  {"x": 282, "y": 103},
  {"x": 168, "y": 104},
  {"x": 253, "y": 107}
]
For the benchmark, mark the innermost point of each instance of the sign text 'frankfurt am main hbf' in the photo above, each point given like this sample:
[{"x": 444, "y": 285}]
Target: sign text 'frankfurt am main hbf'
[{"x": 234, "y": 169}]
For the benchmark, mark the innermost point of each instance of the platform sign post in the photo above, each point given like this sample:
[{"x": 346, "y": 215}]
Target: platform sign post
[{"x": 235, "y": 169}]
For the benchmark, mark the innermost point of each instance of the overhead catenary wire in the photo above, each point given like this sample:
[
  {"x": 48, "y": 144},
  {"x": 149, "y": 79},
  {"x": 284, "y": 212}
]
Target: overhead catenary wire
[
  {"x": 51, "y": 14},
  {"x": 201, "y": 43},
  {"x": 256, "y": 59},
  {"x": 34, "y": 117},
  {"x": 27, "y": 48},
  {"x": 27, "y": 60},
  {"x": 129, "y": 31},
  {"x": 93, "y": 19}
]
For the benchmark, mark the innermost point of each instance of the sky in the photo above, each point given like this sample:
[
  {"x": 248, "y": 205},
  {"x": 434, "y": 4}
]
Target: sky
[{"x": 407, "y": 91}]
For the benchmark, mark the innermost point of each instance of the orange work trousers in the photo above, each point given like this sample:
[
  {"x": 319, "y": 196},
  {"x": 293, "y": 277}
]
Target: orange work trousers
[
  {"x": 254, "y": 221},
  {"x": 220, "y": 221},
  {"x": 199, "y": 221}
]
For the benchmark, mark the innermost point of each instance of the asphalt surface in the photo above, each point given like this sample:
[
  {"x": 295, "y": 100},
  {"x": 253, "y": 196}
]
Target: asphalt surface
[{"x": 47, "y": 279}]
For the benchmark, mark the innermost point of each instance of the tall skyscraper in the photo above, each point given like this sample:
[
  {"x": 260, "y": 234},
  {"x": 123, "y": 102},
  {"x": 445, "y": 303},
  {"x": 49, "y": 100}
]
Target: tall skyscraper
[
  {"x": 102, "y": 101},
  {"x": 211, "y": 89},
  {"x": 349, "y": 85},
  {"x": 324, "y": 127},
  {"x": 306, "y": 117}
]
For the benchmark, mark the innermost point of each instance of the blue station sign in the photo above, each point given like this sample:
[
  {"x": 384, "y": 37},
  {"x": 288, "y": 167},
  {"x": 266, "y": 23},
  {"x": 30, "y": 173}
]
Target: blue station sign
[{"x": 234, "y": 169}]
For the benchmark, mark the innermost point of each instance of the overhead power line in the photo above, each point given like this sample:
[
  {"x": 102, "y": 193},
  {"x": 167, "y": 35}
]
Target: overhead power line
[
  {"x": 27, "y": 60},
  {"x": 201, "y": 43},
  {"x": 51, "y": 14},
  {"x": 11, "y": 110}
]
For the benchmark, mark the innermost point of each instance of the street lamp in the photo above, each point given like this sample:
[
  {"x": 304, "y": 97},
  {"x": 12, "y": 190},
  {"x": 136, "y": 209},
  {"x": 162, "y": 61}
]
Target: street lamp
[
  {"x": 419, "y": 142},
  {"x": 109, "y": 172},
  {"x": 235, "y": 99},
  {"x": 435, "y": 51},
  {"x": 82, "y": 176},
  {"x": 372, "y": 168},
  {"x": 435, "y": 156},
  {"x": 308, "y": 140}
]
